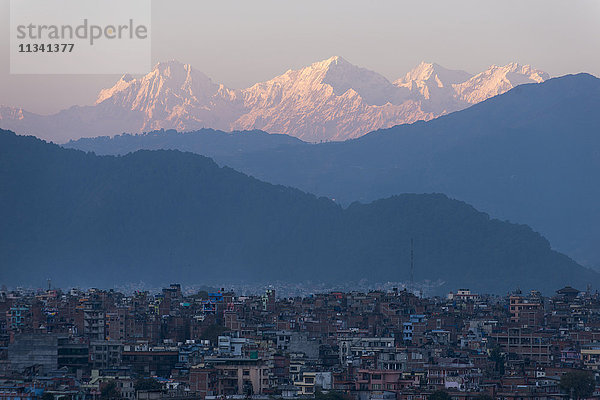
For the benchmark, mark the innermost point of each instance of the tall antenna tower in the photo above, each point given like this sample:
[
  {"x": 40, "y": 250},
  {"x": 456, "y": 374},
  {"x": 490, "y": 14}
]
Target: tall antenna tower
[{"x": 412, "y": 262}]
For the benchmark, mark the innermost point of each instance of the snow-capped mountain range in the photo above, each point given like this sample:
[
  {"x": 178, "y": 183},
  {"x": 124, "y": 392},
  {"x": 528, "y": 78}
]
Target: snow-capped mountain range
[{"x": 328, "y": 100}]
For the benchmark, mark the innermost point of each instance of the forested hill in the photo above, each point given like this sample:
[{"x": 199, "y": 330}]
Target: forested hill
[{"x": 168, "y": 216}]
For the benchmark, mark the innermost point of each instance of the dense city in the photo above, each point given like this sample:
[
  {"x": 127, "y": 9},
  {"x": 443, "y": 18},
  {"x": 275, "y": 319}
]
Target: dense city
[{"x": 377, "y": 345}]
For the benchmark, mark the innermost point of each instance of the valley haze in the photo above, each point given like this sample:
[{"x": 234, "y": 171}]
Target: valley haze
[{"x": 168, "y": 215}]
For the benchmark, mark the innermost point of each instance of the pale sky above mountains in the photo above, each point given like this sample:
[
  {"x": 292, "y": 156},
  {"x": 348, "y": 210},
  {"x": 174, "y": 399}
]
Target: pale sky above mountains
[{"x": 240, "y": 42}]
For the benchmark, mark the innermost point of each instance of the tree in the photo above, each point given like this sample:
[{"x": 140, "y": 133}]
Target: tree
[
  {"x": 440, "y": 395},
  {"x": 498, "y": 359},
  {"x": 212, "y": 332},
  {"x": 578, "y": 384},
  {"x": 330, "y": 395},
  {"x": 109, "y": 391},
  {"x": 47, "y": 396},
  {"x": 147, "y": 384},
  {"x": 202, "y": 294}
]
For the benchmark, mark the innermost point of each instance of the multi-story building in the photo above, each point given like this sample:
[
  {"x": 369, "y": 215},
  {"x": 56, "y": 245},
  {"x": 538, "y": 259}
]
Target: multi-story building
[
  {"x": 94, "y": 327},
  {"x": 526, "y": 311},
  {"x": 528, "y": 344},
  {"x": 230, "y": 376},
  {"x": 312, "y": 381},
  {"x": 105, "y": 354},
  {"x": 352, "y": 348},
  {"x": 377, "y": 344}
]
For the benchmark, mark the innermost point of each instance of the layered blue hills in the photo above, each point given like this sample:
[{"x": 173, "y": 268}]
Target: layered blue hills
[
  {"x": 531, "y": 156},
  {"x": 169, "y": 216}
]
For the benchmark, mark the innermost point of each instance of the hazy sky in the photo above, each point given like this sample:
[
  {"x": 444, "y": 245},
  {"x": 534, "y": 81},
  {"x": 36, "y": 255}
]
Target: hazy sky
[{"x": 240, "y": 42}]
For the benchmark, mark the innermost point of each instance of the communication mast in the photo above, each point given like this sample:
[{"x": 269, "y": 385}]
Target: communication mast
[{"x": 412, "y": 262}]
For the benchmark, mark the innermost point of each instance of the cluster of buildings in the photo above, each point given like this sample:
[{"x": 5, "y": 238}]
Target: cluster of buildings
[{"x": 379, "y": 345}]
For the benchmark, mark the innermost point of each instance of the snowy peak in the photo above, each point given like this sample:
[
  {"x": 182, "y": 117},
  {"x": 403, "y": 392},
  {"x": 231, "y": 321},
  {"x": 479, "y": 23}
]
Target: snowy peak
[
  {"x": 330, "y": 99},
  {"x": 497, "y": 80},
  {"x": 121, "y": 85},
  {"x": 180, "y": 76},
  {"x": 166, "y": 79},
  {"x": 432, "y": 84},
  {"x": 327, "y": 100},
  {"x": 11, "y": 113},
  {"x": 443, "y": 90},
  {"x": 374, "y": 88},
  {"x": 172, "y": 68},
  {"x": 331, "y": 77},
  {"x": 324, "y": 67},
  {"x": 331, "y": 62},
  {"x": 536, "y": 75},
  {"x": 433, "y": 72},
  {"x": 172, "y": 96}
]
